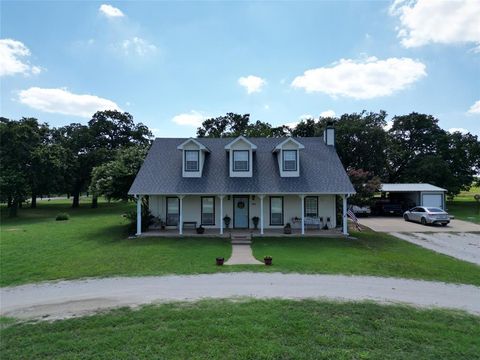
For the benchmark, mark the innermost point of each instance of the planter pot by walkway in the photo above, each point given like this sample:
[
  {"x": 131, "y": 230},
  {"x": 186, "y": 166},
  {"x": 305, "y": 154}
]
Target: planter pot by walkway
[
  {"x": 220, "y": 261},
  {"x": 267, "y": 260}
]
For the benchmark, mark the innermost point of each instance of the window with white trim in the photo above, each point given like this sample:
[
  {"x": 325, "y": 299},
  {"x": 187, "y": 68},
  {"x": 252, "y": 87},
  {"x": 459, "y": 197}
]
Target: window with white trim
[
  {"x": 192, "y": 159},
  {"x": 289, "y": 160},
  {"x": 276, "y": 210},
  {"x": 311, "y": 206},
  {"x": 241, "y": 160},
  {"x": 208, "y": 210},
  {"x": 173, "y": 211}
]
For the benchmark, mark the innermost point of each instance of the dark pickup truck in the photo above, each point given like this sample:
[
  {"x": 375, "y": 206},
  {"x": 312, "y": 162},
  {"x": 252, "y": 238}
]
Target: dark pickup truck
[{"x": 384, "y": 208}]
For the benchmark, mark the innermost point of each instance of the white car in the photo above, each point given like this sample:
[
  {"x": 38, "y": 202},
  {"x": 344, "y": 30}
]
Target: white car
[{"x": 427, "y": 215}]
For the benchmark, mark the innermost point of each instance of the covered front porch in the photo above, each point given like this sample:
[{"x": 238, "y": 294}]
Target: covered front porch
[
  {"x": 256, "y": 214},
  {"x": 227, "y": 233}
]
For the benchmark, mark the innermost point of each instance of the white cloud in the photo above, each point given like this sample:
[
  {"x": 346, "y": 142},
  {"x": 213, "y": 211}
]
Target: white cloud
[
  {"x": 193, "y": 118},
  {"x": 389, "y": 125},
  {"x": 138, "y": 46},
  {"x": 362, "y": 79},
  {"x": 110, "y": 11},
  {"x": 252, "y": 83},
  {"x": 460, "y": 130},
  {"x": 475, "y": 108},
  {"x": 436, "y": 21},
  {"x": 11, "y": 62},
  {"x": 62, "y": 101},
  {"x": 327, "y": 113}
]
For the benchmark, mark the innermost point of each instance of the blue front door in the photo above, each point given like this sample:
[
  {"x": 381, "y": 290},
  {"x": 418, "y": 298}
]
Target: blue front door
[{"x": 240, "y": 212}]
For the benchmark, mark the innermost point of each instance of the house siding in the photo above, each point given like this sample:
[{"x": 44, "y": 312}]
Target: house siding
[{"x": 291, "y": 208}]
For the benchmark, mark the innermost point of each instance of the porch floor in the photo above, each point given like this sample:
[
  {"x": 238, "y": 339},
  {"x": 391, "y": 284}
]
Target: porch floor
[{"x": 215, "y": 232}]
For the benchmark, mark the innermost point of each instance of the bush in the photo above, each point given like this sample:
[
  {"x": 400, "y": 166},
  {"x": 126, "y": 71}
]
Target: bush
[
  {"x": 62, "y": 217},
  {"x": 147, "y": 219}
]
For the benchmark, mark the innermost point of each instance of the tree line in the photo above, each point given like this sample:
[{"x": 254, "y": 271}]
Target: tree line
[
  {"x": 414, "y": 149},
  {"x": 104, "y": 156},
  {"x": 36, "y": 159}
]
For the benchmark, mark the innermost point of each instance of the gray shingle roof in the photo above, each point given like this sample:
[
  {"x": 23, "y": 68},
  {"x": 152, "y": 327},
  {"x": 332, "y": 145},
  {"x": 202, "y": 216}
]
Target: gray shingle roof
[{"x": 320, "y": 170}]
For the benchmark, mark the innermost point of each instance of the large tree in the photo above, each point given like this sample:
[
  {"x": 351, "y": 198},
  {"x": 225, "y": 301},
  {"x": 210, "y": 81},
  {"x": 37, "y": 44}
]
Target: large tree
[
  {"x": 420, "y": 151},
  {"x": 110, "y": 131},
  {"x": 114, "y": 178},
  {"x": 232, "y": 125},
  {"x": 30, "y": 164}
]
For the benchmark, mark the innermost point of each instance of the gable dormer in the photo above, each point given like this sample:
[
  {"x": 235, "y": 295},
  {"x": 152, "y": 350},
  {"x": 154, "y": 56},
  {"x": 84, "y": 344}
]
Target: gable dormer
[
  {"x": 240, "y": 156},
  {"x": 193, "y": 157},
  {"x": 288, "y": 156}
]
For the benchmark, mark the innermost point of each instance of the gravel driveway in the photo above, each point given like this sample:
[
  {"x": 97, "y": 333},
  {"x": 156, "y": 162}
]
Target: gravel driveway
[
  {"x": 463, "y": 246},
  {"x": 397, "y": 224},
  {"x": 81, "y": 297}
]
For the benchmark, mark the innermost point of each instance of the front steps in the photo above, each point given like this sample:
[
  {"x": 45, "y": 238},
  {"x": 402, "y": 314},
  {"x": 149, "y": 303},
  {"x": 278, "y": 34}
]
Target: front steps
[{"x": 241, "y": 239}]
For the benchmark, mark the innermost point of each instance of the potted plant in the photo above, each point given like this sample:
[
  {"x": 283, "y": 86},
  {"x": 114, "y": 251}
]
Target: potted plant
[
  {"x": 227, "y": 220},
  {"x": 200, "y": 229},
  {"x": 267, "y": 260},
  {"x": 220, "y": 261},
  {"x": 255, "y": 221},
  {"x": 287, "y": 229}
]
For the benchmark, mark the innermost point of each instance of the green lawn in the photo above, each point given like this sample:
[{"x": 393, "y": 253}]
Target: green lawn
[
  {"x": 253, "y": 329},
  {"x": 465, "y": 207},
  {"x": 370, "y": 254},
  {"x": 93, "y": 243}
]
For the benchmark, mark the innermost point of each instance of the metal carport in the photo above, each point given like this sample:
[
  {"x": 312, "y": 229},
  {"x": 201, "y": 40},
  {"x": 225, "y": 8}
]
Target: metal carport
[{"x": 415, "y": 194}]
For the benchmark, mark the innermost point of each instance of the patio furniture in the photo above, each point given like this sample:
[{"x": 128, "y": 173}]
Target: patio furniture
[{"x": 190, "y": 224}]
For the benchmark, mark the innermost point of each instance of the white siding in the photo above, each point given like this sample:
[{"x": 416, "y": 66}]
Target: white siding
[{"x": 291, "y": 208}]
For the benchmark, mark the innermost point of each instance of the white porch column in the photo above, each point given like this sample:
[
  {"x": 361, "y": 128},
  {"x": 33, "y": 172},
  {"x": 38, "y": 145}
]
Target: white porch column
[
  {"x": 180, "y": 220},
  {"x": 302, "y": 207},
  {"x": 139, "y": 215},
  {"x": 344, "y": 215},
  {"x": 221, "y": 213},
  {"x": 261, "y": 213}
]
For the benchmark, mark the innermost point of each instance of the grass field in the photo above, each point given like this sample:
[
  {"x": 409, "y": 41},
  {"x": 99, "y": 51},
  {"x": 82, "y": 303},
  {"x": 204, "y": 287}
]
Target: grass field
[
  {"x": 464, "y": 206},
  {"x": 254, "y": 329},
  {"x": 93, "y": 243}
]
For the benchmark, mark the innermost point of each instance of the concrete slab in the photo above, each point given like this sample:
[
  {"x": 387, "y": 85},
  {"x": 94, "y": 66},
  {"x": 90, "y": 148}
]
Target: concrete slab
[{"x": 398, "y": 224}]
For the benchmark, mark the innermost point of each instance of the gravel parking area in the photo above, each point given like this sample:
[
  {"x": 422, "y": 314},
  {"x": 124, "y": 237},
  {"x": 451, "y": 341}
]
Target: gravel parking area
[
  {"x": 397, "y": 224},
  {"x": 463, "y": 246}
]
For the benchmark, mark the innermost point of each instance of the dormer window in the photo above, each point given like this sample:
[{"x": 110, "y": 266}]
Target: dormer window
[
  {"x": 240, "y": 157},
  {"x": 288, "y": 156},
  {"x": 193, "y": 157},
  {"x": 289, "y": 160},
  {"x": 192, "y": 160},
  {"x": 241, "y": 160}
]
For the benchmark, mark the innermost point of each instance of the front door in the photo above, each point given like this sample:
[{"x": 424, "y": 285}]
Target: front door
[{"x": 240, "y": 212}]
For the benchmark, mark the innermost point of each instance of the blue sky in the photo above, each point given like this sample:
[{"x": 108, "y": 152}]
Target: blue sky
[{"x": 172, "y": 64}]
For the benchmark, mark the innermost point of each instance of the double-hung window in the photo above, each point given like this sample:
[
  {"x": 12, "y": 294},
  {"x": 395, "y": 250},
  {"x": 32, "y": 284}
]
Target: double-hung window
[
  {"x": 192, "y": 160},
  {"x": 173, "y": 211},
  {"x": 241, "y": 160},
  {"x": 289, "y": 160},
  {"x": 311, "y": 206},
  {"x": 208, "y": 210},
  {"x": 276, "y": 210}
]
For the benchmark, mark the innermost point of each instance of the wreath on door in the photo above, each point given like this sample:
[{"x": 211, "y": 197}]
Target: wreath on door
[{"x": 241, "y": 205}]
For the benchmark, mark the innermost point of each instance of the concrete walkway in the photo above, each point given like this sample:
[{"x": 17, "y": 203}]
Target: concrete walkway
[
  {"x": 463, "y": 246},
  {"x": 242, "y": 255},
  {"x": 81, "y": 297}
]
